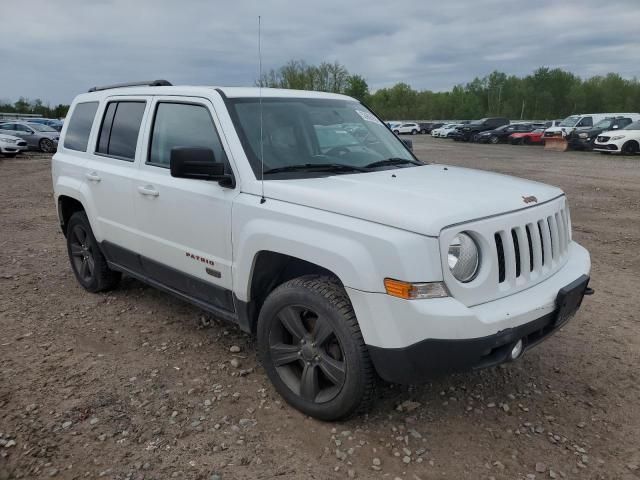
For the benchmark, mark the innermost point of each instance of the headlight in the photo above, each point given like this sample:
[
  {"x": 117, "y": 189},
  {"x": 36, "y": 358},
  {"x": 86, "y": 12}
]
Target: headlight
[
  {"x": 617, "y": 137},
  {"x": 582, "y": 135},
  {"x": 463, "y": 257},
  {"x": 8, "y": 140}
]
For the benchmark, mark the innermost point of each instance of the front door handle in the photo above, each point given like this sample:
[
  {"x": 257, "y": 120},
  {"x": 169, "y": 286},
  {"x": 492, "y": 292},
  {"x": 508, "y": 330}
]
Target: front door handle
[
  {"x": 149, "y": 191},
  {"x": 93, "y": 177}
]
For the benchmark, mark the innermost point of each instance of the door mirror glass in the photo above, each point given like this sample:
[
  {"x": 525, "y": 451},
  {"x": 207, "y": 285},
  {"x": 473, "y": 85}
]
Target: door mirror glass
[{"x": 198, "y": 163}]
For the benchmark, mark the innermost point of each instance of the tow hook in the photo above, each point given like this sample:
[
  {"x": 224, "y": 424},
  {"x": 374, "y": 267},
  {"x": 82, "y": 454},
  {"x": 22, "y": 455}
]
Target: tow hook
[{"x": 589, "y": 291}]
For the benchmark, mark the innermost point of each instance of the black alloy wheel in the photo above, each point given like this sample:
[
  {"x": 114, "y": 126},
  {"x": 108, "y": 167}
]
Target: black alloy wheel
[{"x": 311, "y": 347}]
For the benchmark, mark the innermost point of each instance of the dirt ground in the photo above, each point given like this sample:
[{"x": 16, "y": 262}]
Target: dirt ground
[{"x": 135, "y": 384}]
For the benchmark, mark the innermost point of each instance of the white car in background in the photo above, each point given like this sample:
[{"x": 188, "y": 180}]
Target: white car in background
[
  {"x": 625, "y": 141},
  {"x": 445, "y": 130},
  {"x": 10, "y": 146},
  {"x": 412, "y": 128}
]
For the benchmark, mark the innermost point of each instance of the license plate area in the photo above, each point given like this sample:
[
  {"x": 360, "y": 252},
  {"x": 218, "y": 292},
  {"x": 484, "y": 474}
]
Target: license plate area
[{"x": 569, "y": 299}]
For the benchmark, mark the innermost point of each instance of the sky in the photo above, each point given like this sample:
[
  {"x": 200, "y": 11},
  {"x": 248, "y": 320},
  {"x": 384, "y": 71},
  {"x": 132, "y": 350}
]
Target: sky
[{"x": 54, "y": 50}]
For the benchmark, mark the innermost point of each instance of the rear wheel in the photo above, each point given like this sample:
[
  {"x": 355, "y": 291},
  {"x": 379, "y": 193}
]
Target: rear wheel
[
  {"x": 414, "y": 132},
  {"x": 397, "y": 132},
  {"x": 630, "y": 148},
  {"x": 312, "y": 349},
  {"x": 494, "y": 139},
  {"x": 87, "y": 262}
]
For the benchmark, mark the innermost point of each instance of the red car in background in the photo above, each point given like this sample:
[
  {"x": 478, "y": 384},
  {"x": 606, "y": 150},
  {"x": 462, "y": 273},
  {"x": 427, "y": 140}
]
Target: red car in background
[{"x": 527, "y": 138}]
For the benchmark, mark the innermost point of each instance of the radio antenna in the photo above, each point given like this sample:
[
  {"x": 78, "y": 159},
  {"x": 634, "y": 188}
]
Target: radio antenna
[{"x": 262, "y": 199}]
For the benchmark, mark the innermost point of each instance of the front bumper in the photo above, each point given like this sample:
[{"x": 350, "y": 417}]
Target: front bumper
[
  {"x": 579, "y": 143},
  {"x": 432, "y": 357},
  {"x": 610, "y": 147},
  {"x": 447, "y": 326}
]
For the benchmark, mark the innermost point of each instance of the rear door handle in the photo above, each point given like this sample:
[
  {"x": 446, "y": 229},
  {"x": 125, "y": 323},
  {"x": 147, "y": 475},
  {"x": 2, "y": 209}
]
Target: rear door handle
[
  {"x": 149, "y": 191},
  {"x": 93, "y": 177}
]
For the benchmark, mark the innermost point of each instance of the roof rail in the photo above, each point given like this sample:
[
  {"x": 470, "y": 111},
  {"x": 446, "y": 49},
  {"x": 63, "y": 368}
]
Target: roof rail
[{"x": 148, "y": 83}]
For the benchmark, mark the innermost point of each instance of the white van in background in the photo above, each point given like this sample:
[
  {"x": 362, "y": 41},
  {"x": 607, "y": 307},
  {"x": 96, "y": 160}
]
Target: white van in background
[{"x": 580, "y": 120}]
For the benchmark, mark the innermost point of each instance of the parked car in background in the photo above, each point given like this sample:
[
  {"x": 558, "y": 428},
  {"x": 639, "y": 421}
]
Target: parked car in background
[
  {"x": 584, "y": 138},
  {"x": 50, "y": 122},
  {"x": 552, "y": 123},
  {"x": 470, "y": 129},
  {"x": 412, "y": 128},
  {"x": 501, "y": 134},
  {"x": 625, "y": 141},
  {"x": 582, "y": 120},
  {"x": 446, "y": 130},
  {"x": 535, "y": 137},
  {"x": 10, "y": 146},
  {"x": 38, "y": 137}
]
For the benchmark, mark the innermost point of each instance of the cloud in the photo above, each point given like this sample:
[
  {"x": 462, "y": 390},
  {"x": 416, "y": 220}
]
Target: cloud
[{"x": 71, "y": 45}]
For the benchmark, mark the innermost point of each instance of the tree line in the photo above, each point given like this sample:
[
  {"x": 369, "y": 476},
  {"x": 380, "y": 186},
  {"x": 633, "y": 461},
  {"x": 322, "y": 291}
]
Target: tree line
[
  {"x": 37, "y": 107},
  {"x": 545, "y": 94}
]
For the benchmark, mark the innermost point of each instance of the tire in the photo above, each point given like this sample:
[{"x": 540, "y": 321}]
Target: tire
[
  {"x": 494, "y": 140},
  {"x": 337, "y": 370},
  {"x": 423, "y": 131},
  {"x": 525, "y": 141},
  {"x": 46, "y": 145},
  {"x": 414, "y": 132},
  {"x": 630, "y": 148},
  {"x": 87, "y": 261},
  {"x": 396, "y": 132}
]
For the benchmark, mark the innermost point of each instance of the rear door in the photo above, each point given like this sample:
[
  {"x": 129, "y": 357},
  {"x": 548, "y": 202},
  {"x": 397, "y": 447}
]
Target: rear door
[
  {"x": 109, "y": 174},
  {"x": 185, "y": 224}
]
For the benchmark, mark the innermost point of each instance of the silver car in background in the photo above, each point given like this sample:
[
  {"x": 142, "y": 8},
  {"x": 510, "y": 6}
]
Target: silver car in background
[
  {"x": 38, "y": 137},
  {"x": 10, "y": 146}
]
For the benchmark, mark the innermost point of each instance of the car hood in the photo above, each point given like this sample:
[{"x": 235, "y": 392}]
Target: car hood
[
  {"x": 8, "y": 137},
  {"x": 620, "y": 131},
  {"x": 422, "y": 199}
]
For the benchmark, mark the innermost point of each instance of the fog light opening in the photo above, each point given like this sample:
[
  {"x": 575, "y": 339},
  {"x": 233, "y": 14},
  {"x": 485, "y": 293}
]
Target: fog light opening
[{"x": 517, "y": 350}]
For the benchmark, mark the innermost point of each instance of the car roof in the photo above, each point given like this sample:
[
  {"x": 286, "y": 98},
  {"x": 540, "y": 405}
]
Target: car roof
[{"x": 230, "y": 92}]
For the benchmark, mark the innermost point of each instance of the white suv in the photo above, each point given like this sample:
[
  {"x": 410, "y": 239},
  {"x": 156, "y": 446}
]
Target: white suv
[
  {"x": 350, "y": 258},
  {"x": 412, "y": 128}
]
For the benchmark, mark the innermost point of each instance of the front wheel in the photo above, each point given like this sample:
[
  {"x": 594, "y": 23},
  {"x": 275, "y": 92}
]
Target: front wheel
[
  {"x": 311, "y": 347},
  {"x": 46, "y": 145},
  {"x": 414, "y": 132},
  {"x": 397, "y": 132},
  {"x": 630, "y": 148}
]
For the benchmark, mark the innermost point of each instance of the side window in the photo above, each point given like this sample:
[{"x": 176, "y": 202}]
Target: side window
[
  {"x": 8, "y": 126},
  {"x": 23, "y": 128},
  {"x": 120, "y": 129},
  {"x": 586, "y": 122},
  {"x": 182, "y": 125},
  {"x": 77, "y": 136},
  {"x": 623, "y": 122}
]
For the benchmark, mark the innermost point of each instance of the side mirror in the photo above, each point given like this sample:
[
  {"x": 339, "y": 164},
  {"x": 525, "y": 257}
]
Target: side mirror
[
  {"x": 199, "y": 164},
  {"x": 408, "y": 143}
]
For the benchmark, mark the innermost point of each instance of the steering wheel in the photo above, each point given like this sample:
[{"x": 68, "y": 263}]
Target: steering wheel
[{"x": 336, "y": 151}]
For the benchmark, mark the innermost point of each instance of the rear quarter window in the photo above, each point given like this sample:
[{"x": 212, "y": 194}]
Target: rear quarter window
[{"x": 77, "y": 136}]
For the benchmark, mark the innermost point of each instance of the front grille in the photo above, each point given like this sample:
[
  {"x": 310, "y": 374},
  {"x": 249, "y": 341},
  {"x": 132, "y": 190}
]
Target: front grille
[
  {"x": 603, "y": 139},
  {"x": 528, "y": 249}
]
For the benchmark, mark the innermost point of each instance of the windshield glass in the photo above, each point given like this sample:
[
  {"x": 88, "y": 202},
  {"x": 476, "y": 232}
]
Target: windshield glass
[
  {"x": 633, "y": 126},
  {"x": 41, "y": 128},
  {"x": 570, "y": 121},
  {"x": 299, "y": 131},
  {"x": 477, "y": 122},
  {"x": 606, "y": 123}
]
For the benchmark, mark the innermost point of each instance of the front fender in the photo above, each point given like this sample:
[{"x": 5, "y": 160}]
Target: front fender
[{"x": 360, "y": 253}]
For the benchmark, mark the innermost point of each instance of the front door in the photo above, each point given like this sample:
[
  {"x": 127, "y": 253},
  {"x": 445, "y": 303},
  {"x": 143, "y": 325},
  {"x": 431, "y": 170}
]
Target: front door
[{"x": 184, "y": 224}]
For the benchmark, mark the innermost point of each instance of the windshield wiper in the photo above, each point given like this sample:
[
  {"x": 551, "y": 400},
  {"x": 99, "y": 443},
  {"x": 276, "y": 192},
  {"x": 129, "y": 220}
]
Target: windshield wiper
[
  {"x": 316, "y": 167},
  {"x": 393, "y": 161}
]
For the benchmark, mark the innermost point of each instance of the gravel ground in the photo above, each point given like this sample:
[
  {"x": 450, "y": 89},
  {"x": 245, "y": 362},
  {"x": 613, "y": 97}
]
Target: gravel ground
[{"x": 135, "y": 384}]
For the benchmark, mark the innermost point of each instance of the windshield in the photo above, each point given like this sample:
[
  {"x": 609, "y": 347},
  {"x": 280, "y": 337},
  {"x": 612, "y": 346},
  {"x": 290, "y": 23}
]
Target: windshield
[
  {"x": 633, "y": 126},
  {"x": 299, "y": 131},
  {"x": 606, "y": 123},
  {"x": 570, "y": 121},
  {"x": 41, "y": 128}
]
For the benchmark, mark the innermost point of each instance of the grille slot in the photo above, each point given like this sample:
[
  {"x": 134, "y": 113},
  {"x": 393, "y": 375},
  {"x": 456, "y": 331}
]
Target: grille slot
[
  {"x": 500, "y": 251},
  {"x": 530, "y": 242},
  {"x": 516, "y": 246}
]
